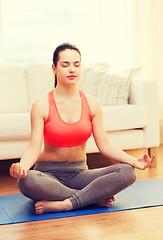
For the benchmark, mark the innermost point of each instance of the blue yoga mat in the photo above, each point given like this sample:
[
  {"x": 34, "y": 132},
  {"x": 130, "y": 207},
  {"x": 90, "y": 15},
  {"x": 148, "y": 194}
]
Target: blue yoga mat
[{"x": 17, "y": 208}]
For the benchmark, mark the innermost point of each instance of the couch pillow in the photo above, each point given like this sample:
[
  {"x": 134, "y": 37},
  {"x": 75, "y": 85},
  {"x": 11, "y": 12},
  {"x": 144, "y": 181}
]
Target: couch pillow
[
  {"x": 90, "y": 71},
  {"x": 40, "y": 80},
  {"x": 13, "y": 94},
  {"x": 111, "y": 88}
]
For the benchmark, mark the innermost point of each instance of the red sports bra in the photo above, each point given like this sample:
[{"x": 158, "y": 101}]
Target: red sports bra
[{"x": 59, "y": 133}]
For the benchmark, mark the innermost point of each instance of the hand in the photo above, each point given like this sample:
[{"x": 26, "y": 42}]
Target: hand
[
  {"x": 17, "y": 171},
  {"x": 144, "y": 162}
]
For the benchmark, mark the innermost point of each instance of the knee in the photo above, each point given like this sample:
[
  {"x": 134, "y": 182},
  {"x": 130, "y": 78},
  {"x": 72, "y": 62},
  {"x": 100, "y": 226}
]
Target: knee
[
  {"x": 129, "y": 175},
  {"x": 26, "y": 184}
]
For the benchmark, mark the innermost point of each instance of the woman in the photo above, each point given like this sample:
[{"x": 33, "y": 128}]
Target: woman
[{"x": 65, "y": 118}]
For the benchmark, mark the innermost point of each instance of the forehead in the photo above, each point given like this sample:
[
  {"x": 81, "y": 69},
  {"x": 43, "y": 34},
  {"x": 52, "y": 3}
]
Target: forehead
[{"x": 69, "y": 55}]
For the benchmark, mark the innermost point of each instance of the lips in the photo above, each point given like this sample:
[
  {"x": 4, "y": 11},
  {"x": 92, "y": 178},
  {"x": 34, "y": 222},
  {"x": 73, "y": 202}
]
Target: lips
[{"x": 71, "y": 76}]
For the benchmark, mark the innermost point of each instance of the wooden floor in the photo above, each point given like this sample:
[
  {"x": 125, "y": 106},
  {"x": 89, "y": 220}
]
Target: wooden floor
[{"x": 141, "y": 224}]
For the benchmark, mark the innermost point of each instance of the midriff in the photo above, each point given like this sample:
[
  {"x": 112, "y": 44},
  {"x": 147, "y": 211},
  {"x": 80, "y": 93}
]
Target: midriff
[{"x": 63, "y": 154}]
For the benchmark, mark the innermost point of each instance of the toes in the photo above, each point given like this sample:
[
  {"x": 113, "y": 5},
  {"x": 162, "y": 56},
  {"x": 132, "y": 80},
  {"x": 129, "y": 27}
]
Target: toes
[
  {"x": 107, "y": 202},
  {"x": 39, "y": 211},
  {"x": 113, "y": 198},
  {"x": 38, "y": 208},
  {"x": 37, "y": 204}
]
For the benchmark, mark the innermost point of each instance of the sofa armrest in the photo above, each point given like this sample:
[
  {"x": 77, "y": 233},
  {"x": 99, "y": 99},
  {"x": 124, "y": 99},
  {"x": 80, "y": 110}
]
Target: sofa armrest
[{"x": 145, "y": 94}]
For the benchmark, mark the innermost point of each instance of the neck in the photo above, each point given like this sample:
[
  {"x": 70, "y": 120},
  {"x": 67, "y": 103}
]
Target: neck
[{"x": 69, "y": 91}]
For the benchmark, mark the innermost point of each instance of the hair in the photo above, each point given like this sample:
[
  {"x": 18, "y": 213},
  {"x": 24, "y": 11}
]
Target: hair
[{"x": 59, "y": 49}]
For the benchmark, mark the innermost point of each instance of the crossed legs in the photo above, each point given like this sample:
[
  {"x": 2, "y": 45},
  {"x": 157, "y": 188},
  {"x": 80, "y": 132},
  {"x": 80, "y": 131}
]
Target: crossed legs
[{"x": 86, "y": 188}]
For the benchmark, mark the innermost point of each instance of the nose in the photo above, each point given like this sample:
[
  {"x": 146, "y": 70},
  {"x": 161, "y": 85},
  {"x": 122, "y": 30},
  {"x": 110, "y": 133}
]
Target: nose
[{"x": 71, "y": 68}]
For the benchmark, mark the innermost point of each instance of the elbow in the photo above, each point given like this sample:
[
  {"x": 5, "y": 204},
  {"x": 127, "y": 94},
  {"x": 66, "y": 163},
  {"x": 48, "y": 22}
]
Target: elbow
[{"x": 104, "y": 146}]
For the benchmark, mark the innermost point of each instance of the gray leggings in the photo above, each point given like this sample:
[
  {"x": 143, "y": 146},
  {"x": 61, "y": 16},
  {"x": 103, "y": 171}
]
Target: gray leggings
[{"x": 55, "y": 181}]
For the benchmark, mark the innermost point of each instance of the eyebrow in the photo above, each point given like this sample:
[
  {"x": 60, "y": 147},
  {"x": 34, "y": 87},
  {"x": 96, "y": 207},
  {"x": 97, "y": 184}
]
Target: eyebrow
[{"x": 68, "y": 62}]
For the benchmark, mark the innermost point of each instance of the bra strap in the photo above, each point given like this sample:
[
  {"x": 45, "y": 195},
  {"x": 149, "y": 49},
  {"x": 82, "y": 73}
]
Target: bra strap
[{"x": 51, "y": 98}]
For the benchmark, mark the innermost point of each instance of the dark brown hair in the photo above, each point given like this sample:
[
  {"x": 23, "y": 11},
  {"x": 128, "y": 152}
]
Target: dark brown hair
[{"x": 59, "y": 49}]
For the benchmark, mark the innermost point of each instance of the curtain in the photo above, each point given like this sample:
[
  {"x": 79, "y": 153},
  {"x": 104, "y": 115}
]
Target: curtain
[
  {"x": 1, "y": 44},
  {"x": 148, "y": 44}
]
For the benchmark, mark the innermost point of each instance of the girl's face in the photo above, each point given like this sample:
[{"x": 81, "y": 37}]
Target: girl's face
[{"x": 68, "y": 67}]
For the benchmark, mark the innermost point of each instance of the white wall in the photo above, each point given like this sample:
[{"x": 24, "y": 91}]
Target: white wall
[
  {"x": 148, "y": 44},
  {"x": 1, "y": 42}
]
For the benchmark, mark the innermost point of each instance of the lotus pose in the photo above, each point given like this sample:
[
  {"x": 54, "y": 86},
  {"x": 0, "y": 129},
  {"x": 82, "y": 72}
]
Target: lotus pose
[{"x": 64, "y": 119}]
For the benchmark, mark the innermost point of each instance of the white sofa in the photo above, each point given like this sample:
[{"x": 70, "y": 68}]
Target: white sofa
[{"x": 129, "y": 126}]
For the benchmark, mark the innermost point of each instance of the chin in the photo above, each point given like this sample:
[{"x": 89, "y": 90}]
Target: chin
[{"x": 72, "y": 82}]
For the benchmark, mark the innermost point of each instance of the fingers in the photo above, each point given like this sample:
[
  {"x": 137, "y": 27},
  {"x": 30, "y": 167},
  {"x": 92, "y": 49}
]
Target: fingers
[
  {"x": 153, "y": 158},
  {"x": 24, "y": 174},
  {"x": 149, "y": 160},
  {"x": 17, "y": 171},
  {"x": 144, "y": 161},
  {"x": 13, "y": 171}
]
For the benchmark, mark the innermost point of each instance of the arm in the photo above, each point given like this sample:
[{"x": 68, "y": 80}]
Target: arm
[
  {"x": 32, "y": 152},
  {"x": 110, "y": 150}
]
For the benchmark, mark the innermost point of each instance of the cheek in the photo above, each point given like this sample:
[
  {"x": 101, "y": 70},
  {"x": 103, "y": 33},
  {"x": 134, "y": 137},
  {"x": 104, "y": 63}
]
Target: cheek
[
  {"x": 78, "y": 71},
  {"x": 62, "y": 73}
]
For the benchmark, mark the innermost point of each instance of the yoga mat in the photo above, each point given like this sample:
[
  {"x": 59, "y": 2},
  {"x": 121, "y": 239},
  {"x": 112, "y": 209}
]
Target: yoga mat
[{"x": 17, "y": 208}]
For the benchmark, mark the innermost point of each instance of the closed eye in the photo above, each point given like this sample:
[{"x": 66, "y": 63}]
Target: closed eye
[
  {"x": 77, "y": 64},
  {"x": 66, "y": 64}
]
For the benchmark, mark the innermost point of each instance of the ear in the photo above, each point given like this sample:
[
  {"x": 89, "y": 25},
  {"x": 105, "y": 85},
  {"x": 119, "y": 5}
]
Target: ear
[{"x": 54, "y": 68}]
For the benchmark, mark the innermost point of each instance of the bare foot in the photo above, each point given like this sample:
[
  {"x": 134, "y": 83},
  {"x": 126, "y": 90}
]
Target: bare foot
[
  {"x": 106, "y": 203},
  {"x": 53, "y": 206}
]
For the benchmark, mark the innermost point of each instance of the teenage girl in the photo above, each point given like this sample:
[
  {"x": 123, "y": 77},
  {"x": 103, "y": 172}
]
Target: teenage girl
[{"x": 65, "y": 118}]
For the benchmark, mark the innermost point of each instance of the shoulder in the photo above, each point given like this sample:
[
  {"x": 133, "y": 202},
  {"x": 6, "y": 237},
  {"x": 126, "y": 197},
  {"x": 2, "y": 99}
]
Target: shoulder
[
  {"x": 94, "y": 104},
  {"x": 41, "y": 102},
  {"x": 40, "y": 107}
]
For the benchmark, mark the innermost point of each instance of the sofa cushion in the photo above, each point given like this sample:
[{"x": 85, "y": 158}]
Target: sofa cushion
[
  {"x": 89, "y": 69},
  {"x": 14, "y": 126},
  {"x": 125, "y": 139},
  {"x": 12, "y": 149},
  {"x": 110, "y": 87},
  {"x": 13, "y": 94},
  {"x": 40, "y": 80},
  {"x": 123, "y": 117},
  {"x": 90, "y": 74}
]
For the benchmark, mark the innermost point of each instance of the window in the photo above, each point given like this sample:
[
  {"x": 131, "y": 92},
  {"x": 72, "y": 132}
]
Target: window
[{"x": 32, "y": 29}]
